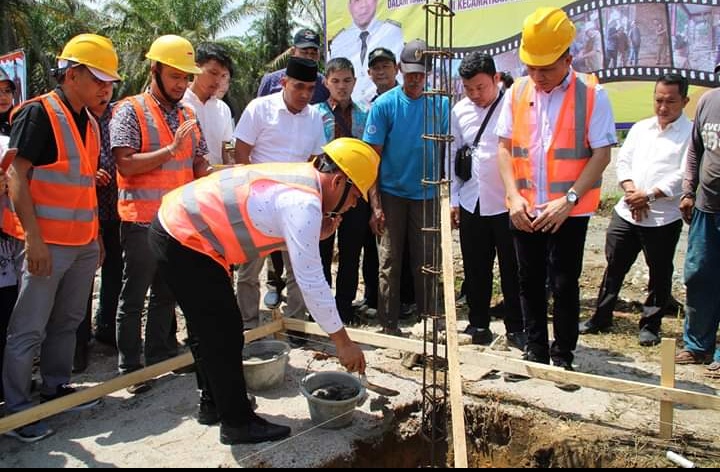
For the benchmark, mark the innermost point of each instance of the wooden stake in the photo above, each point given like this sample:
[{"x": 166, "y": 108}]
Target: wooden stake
[
  {"x": 667, "y": 379},
  {"x": 457, "y": 407},
  {"x": 278, "y": 316}
]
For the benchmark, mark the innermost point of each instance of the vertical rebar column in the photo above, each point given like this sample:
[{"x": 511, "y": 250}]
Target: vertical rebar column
[{"x": 438, "y": 36}]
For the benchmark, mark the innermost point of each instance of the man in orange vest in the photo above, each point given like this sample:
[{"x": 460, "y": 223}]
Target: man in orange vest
[
  {"x": 241, "y": 214},
  {"x": 556, "y": 129},
  {"x": 54, "y": 210},
  {"x": 158, "y": 147}
]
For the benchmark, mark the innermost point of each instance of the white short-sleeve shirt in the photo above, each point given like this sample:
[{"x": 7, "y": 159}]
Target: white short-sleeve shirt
[{"x": 215, "y": 121}]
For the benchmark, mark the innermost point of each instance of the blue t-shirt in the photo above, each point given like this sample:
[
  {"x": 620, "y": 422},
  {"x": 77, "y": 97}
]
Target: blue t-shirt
[{"x": 397, "y": 123}]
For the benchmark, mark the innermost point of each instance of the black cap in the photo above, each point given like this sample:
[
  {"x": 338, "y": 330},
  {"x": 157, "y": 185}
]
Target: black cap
[
  {"x": 381, "y": 53},
  {"x": 302, "y": 69},
  {"x": 412, "y": 58},
  {"x": 306, "y": 38}
]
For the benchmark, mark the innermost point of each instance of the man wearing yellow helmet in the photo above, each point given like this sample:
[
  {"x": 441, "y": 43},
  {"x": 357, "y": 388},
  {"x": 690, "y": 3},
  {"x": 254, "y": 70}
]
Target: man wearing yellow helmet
[
  {"x": 158, "y": 146},
  {"x": 240, "y": 214},
  {"x": 556, "y": 129},
  {"x": 54, "y": 211}
]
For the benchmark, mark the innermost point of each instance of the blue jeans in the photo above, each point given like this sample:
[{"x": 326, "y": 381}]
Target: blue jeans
[{"x": 702, "y": 308}]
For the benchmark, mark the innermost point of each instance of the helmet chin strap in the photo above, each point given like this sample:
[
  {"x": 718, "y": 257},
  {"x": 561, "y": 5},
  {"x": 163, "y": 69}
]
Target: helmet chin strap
[
  {"x": 161, "y": 87},
  {"x": 336, "y": 211}
]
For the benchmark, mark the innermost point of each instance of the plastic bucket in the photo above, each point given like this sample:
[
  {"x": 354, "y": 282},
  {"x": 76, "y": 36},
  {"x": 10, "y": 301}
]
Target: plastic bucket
[
  {"x": 264, "y": 364},
  {"x": 331, "y": 414}
]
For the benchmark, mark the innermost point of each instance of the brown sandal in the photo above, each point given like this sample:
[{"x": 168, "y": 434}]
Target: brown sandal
[
  {"x": 690, "y": 357},
  {"x": 713, "y": 371}
]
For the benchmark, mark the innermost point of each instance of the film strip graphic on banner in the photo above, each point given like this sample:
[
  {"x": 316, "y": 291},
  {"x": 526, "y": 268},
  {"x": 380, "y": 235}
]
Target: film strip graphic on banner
[{"x": 634, "y": 40}]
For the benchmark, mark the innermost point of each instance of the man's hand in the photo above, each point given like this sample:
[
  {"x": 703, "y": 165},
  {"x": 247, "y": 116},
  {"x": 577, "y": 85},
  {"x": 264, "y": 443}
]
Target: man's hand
[
  {"x": 183, "y": 132},
  {"x": 455, "y": 217},
  {"x": 37, "y": 255},
  {"x": 377, "y": 221},
  {"x": 637, "y": 201},
  {"x": 351, "y": 357},
  {"x": 687, "y": 205},
  {"x": 554, "y": 213},
  {"x": 519, "y": 216},
  {"x": 329, "y": 225},
  {"x": 102, "y": 178}
]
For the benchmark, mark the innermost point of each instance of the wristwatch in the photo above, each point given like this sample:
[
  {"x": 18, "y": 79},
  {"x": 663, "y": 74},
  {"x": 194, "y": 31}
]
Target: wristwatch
[
  {"x": 572, "y": 197},
  {"x": 651, "y": 197}
]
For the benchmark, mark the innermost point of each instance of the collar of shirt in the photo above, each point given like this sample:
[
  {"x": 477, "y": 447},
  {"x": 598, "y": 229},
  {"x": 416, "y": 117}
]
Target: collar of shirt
[
  {"x": 372, "y": 27},
  {"x": 80, "y": 118},
  {"x": 671, "y": 127},
  {"x": 175, "y": 106},
  {"x": 336, "y": 105},
  {"x": 562, "y": 86},
  {"x": 279, "y": 102},
  {"x": 195, "y": 100}
]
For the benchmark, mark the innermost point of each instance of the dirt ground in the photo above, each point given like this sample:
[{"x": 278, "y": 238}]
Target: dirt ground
[{"x": 530, "y": 423}]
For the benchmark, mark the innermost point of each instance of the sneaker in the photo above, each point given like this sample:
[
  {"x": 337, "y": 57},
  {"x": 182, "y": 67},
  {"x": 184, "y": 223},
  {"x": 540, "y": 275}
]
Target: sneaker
[
  {"x": 140, "y": 388},
  {"x": 65, "y": 390},
  {"x": 31, "y": 433},
  {"x": 517, "y": 340},
  {"x": 592, "y": 327},
  {"x": 647, "y": 337},
  {"x": 272, "y": 299}
]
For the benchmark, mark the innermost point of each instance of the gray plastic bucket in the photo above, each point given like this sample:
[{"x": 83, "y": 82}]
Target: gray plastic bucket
[
  {"x": 265, "y": 374},
  {"x": 321, "y": 410}
]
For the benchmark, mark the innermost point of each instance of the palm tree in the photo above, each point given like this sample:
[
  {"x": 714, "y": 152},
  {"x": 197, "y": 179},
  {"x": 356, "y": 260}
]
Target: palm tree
[{"x": 14, "y": 23}]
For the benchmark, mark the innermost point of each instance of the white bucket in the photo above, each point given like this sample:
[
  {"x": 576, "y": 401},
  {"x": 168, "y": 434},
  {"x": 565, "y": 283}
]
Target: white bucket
[
  {"x": 264, "y": 364},
  {"x": 340, "y": 412}
]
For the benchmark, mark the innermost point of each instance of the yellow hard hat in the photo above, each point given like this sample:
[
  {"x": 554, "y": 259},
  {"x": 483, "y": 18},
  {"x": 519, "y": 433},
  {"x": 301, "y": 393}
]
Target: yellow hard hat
[
  {"x": 357, "y": 159},
  {"x": 547, "y": 33},
  {"x": 174, "y": 51},
  {"x": 93, "y": 51}
]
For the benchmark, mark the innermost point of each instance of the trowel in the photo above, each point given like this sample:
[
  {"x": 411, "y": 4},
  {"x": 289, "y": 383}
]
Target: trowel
[{"x": 380, "y": 390}]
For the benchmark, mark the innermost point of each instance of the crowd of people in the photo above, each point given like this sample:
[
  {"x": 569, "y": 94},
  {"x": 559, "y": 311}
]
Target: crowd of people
[{"x": 145, "y": 190}]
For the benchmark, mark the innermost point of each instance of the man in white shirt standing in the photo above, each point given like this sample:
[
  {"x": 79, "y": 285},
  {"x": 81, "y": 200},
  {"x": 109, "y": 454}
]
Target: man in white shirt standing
[
  {"x": 365, "y": 34},
  {"x": 212, "y": 113},
  {"x": 280, "y": 127},
  {"x": 478, "y": 203},
  {"x": 648, "y": 219}
]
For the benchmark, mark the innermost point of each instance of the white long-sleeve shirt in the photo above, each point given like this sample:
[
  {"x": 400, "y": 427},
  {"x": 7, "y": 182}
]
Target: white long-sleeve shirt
[
  {"x": 655, "y": 158},
  {"x": 485, "y": 188},
  {"x": 296, "y": 216}
]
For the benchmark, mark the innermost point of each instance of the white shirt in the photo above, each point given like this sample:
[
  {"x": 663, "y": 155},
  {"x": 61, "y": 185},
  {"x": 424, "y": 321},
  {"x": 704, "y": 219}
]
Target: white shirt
[
  {"x": 296, "y": 216},
  {"x": 547, "y": 109},
  {"x": 347, "y": 44},
  {"x": 655, "y": 158},
  {"x": 215, "y": 121},
  {"x": 276, "y": 134},
  {"x": 485, "y": 188}
]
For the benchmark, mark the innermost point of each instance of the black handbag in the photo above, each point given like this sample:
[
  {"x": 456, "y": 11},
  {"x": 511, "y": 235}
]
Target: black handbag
[{"x": 463, "y": 156}]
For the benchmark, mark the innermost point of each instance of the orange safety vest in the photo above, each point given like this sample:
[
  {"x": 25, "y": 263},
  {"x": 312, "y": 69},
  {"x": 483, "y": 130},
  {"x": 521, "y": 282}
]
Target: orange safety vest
[
  {"x": 210, "y": 215},
  {"x": 569, "y": 150},
  {"x": 63, "y": 193},
  {"x": 139, "y": 195}
]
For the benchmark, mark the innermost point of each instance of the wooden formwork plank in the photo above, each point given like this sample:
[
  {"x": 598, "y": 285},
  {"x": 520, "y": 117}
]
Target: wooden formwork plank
[
  {"x": 54, "y": 407},
  {"x": 530, "y": 369},
  {"x": 667, "y": 379},
  {"x": 457, "y": 407}
]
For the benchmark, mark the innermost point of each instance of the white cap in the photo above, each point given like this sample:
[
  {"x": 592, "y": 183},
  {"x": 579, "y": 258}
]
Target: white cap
[{"x": 63, "y": 63}]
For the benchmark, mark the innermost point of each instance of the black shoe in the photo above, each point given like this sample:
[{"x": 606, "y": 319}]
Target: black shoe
[
  {"x": 592, "y": 327},
  {"x": 517, "y": 340},
  {"x": 80, "y": 360},
  {"x": 208, "y": 414},
  {"x": 256, "y": 431},
  {"x": 567, "y": 386},
  {"x": 140, "y": 388},
  {"x": 482, "y": 336},
  {"x": 64, "y": 390},
  {"x": 407, "y": 310},
  {"x": 648, "y": 337}
]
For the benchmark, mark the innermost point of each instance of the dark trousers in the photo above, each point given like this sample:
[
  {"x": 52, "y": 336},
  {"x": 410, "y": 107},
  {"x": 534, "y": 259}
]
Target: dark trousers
[
  {"x": 207, "y": 300},
  {"x": 8, "y": 297},
  {"x": 275, "y": 270},
  {"x": 563, "y": 252},
  {"x": 327, "y": 247},
  {"x": 370, "y": 269},
  {"x": 110, "y": 279},
  {"x": 481, "y": 238},
  {"x": 623, "y": 243},
  {"x": 352, "y": 235}
]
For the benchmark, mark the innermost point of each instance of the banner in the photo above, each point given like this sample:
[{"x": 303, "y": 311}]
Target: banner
[
  {"x": 13, "y": 64},
  {"x": 626, "y": 43}
]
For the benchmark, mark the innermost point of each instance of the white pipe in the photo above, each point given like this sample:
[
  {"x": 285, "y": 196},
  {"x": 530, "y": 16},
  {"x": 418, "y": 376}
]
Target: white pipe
[{"x": 679, "y": 460}]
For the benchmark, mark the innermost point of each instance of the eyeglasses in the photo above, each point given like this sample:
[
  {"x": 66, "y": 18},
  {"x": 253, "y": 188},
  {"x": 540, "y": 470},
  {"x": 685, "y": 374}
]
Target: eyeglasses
[{"x": 7, "y": 91}]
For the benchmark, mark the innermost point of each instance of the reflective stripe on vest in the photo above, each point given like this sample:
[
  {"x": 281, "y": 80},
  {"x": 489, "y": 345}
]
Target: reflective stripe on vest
[
  {"x": 210, "y": 215},
  {"x": 63, "y": 193},
  {"x": 569, "y": 151},
  {"x": 139, "y": 196}
]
